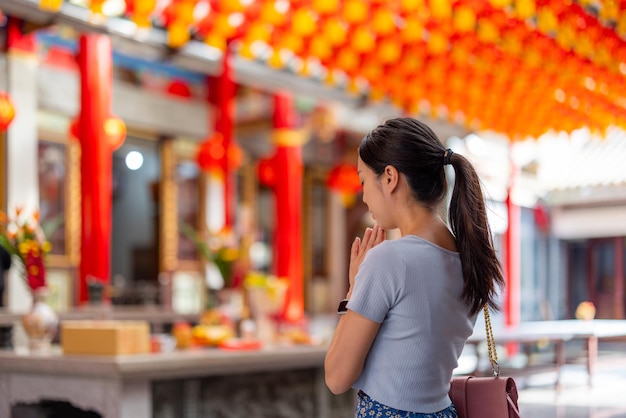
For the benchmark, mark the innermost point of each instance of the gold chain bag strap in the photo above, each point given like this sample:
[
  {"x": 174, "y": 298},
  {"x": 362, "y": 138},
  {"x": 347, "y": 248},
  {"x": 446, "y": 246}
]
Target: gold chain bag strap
[
  {"x": 485, "y": 397},
  {"x": 491, "y": 343}
]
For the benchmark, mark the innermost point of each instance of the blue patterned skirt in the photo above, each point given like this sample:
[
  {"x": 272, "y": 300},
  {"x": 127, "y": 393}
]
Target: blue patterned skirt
[{"x": 366, "y": 407}]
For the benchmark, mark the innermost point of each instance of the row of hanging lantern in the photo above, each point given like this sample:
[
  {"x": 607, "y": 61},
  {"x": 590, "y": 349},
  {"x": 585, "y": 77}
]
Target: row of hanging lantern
[
  {"x": 366, "y": 42},
  {"x": 520, "y": 67}
]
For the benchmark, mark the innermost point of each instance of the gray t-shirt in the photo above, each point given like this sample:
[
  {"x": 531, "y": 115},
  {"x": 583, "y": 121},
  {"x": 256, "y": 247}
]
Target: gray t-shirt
[{"x": 413, "y": 288}]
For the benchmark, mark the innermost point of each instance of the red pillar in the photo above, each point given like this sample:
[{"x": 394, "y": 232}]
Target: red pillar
[
  {"x": 512, "y": 262},
  {"x": 95, "y": 61},
  {"x": 287, "y": 186}
]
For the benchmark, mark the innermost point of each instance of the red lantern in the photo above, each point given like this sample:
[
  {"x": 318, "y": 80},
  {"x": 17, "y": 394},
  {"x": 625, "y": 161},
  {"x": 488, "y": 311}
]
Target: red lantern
[
  {"x": 266, "y": 172},
  {"x": 75, "y": 130},
  {"x": 7, "y": 111},
  {"x": 211, "y": 153},
  {"x": 345, "y": 180}
]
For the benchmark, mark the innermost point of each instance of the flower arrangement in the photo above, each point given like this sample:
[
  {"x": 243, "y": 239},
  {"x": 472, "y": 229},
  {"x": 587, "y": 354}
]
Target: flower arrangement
[
  {"x": 266, "y": 293},
  {"x": 23, "y": 238},
  {"x": 220, "y": 249}
]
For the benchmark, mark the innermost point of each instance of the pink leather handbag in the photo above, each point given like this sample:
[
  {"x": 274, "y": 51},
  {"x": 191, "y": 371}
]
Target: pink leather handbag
[{"x": 485, "y": 397}]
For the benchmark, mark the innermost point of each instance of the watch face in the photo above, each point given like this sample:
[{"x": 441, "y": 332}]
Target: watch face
[{"x": 343, "y": 306}]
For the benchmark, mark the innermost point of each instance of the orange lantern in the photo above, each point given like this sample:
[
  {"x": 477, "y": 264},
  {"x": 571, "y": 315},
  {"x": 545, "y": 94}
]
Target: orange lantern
[
  {"x": 178, "y": 17},
  {"x": 383, "y": 22},
  {"x": 525, "y": 8},
  {"x": 440, "y": 9},
  {"x": 234, "y": 156},
  {"x": 325, "y": 7},
  {"x": 96, "y": 6},
  {"x": 140, "y": 12},
  {"x": 362, "y": 39},
  {"x": 303, "y": 22},
  {"x": 115, "y": 130},
  {"x": 355, "y": 11},
  {"x": 7, "y": 111},
  {"x": 50, "y": 5}
]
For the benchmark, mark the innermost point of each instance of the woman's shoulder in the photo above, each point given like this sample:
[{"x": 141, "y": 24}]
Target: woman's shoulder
[
  {"x": 411, "y": 246},
  {"x": 425, "y": 245}
]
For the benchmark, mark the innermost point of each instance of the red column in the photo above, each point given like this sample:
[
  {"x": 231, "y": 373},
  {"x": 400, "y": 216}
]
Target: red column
[
  {"x": 512, "y": 262},
  {"x": 95, "y": 61},
  {"x": 287, "y": 185}
]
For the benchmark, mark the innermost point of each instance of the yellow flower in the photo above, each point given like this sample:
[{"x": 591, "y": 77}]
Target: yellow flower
[
  {"x": 230, "y": 254},
  {"x": 24, "y": 247}
]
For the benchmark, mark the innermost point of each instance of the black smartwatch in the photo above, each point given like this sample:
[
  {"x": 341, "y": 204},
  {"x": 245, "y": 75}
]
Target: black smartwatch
[{"x": 343, "y": 307}]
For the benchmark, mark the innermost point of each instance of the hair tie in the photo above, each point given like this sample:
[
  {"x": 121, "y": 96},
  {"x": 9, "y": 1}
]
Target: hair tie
[{"x": 447, "y": 157}]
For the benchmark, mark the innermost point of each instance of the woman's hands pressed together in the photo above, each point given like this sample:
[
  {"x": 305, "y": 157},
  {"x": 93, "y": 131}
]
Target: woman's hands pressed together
[
  {"x": 372, "y": 237},
  {"x": 355, "y": 333}
]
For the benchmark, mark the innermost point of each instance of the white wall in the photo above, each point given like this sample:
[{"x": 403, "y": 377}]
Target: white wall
[
  {"x": 589, "y": 222},
  {"x": 22, "y": 169},
  {"x": 59, "y": 91}
]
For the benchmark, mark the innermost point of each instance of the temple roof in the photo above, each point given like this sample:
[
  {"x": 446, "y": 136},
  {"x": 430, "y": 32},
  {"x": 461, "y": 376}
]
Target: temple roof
[{"x": 583, "y": 168}]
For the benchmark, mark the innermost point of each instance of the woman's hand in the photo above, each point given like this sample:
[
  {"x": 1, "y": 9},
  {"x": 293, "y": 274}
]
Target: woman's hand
[
  {"x": 360, "y": 247},
  {"x": 354, "y": 334}
]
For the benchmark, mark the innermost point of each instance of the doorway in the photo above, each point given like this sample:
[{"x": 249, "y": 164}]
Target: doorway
[
  {"x": 134, "y": 252},
  {"x": 596, "y": 274}
]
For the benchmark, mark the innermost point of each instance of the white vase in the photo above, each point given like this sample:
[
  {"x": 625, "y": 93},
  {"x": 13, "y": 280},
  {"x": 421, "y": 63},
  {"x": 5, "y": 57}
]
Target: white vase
[{"x": 40, "y": 323}]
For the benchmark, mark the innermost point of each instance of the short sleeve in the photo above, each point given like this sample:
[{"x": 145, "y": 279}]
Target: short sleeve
[{"x": 378, "y": 283}]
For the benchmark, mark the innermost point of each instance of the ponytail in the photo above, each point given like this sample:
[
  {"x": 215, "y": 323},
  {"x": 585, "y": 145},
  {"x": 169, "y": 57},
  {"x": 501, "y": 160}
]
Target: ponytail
[{"x": 468, "y": 221}]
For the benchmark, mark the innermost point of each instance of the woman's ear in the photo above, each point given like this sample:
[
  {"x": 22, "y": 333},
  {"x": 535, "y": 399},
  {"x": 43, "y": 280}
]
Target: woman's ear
[{"x": 391, "y": 177}]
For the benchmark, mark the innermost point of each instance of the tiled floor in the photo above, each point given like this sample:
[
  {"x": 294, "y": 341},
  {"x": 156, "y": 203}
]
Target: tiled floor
[{"x": 605, "y": 399}]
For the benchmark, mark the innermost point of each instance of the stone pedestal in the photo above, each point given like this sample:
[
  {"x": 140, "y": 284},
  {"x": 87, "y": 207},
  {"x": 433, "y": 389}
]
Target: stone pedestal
[{"x": 273, "y": 382}]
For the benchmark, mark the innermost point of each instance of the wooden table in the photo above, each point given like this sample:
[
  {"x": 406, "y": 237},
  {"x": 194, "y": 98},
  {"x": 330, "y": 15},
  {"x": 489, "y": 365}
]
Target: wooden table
[{"x": 559, "y": 332}]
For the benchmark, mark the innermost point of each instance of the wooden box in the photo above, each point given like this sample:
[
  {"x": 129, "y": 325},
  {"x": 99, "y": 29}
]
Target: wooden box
[{"x": 105, "y": 337}]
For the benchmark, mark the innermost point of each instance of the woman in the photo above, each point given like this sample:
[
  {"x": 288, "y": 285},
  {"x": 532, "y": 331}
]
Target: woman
[{"x": 412, "y": 302}]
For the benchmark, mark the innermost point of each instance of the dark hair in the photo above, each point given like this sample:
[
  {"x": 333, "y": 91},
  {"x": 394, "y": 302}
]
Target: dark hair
[{"x": 415, "y": 151}]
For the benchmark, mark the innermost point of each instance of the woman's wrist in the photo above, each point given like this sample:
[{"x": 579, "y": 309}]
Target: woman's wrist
[{"x": 343, "y": 307}]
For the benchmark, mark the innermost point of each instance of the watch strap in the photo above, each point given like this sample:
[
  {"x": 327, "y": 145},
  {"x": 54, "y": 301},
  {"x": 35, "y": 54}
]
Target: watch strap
[{"x": 343, "y": 307}]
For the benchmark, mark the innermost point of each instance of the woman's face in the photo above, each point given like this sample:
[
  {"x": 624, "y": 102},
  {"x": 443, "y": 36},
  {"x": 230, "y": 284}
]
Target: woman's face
[{"x": 372, "y": 191}]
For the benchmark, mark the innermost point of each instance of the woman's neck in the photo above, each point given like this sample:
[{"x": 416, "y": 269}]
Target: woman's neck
[{"x": 427, "y": 224}]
